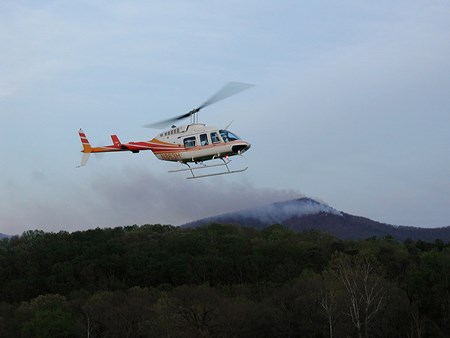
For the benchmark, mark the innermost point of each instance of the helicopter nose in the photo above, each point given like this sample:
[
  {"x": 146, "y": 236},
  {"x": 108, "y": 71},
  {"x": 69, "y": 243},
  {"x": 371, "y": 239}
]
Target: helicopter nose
[{"x": 241, "y": 148}]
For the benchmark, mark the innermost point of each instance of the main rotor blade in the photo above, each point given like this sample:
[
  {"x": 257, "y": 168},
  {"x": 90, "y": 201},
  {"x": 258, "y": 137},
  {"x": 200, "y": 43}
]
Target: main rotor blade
[
  {"x": 230, "y": 89},
  {"x": 165, "y": 123}
]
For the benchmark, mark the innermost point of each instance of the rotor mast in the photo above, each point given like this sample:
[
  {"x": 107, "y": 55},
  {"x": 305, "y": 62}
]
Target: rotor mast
[{"x": 194, "y": 115}]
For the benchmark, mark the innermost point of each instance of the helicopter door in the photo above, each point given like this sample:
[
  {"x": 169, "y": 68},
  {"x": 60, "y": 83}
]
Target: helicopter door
[
  {"x": 215, "y": 137},
  {"x": 204, "y": 140}
]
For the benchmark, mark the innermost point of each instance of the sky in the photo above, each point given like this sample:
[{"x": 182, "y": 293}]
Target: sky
[{"x": 351, "y": 107}]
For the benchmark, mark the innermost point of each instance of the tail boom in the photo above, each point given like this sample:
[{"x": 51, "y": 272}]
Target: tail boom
[{"x": 134, "y": 147}]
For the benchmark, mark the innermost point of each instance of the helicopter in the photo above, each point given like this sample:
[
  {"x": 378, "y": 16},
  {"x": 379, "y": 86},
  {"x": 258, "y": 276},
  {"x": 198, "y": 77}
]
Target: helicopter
[{"x": 192, "y": 143}]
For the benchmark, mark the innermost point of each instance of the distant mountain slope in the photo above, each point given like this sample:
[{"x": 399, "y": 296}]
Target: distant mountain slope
[
  {"x": 3, "y": 236},
  {"x": 266, "y": 215},
  {"x": 306, "y": 214}
]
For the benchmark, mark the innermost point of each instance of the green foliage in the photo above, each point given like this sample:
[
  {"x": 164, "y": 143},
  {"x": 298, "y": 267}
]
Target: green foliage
[
  {"x": 47, "y": 316},
  {"x": 220, "y": 281},
  {"x": 49, "y": 324}
]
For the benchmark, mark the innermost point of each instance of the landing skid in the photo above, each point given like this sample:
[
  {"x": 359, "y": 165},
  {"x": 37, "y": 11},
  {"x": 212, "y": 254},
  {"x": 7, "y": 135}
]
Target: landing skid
[{"x": 225, "y": 163}]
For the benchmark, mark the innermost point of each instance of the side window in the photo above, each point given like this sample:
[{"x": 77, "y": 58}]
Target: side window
[
  {"x": 204, "y": 140},
  {"x": 215, "y": 138},
  {"x": 189, "y": 142}
]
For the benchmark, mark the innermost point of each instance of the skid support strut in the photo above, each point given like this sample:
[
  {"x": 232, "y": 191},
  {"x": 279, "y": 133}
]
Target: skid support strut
[{"x": 192, "y": 169}]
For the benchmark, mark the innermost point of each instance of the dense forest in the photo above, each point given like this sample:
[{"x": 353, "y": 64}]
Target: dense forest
[{"x": 221, "y": 281}]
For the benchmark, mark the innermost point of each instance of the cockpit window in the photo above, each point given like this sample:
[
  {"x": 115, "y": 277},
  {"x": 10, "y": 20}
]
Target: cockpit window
[{"x": 228, "y": 136}]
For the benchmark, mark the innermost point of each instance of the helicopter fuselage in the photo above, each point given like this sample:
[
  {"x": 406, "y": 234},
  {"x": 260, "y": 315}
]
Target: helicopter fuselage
[
  {"x": 189, "y": 143},
  {"x": 197, "y": 143}
]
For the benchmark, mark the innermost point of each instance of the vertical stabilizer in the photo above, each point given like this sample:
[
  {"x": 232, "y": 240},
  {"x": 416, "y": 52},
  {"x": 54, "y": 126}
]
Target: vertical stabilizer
[
  {"x": 86, "y": 148},
  {"x": 84, "y": 141}
]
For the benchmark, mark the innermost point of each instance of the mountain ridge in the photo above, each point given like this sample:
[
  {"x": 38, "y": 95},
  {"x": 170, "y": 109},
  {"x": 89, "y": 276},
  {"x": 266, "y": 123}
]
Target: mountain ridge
[{"x": 304, "y": 214}]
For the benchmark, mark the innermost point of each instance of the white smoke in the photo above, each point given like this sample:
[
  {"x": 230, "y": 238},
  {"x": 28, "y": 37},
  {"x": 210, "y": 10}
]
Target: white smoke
[{"x": 279, "y": 212}]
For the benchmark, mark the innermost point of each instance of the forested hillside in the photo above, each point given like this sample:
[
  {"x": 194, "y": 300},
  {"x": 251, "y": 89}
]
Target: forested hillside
[
  {"x": 305, "y": 214},
  {"x": 221, "y": 281}
]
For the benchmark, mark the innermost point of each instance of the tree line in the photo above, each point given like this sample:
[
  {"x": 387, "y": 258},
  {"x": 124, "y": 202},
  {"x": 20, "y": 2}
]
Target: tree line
[{"x": 221, "y": 281}]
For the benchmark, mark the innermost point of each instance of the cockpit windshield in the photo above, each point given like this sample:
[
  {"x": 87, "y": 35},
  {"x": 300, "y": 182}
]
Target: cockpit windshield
[{"x": 228, "y": 136}]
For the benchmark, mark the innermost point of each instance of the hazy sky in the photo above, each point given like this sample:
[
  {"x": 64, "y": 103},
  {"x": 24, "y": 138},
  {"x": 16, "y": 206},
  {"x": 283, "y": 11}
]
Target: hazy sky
[{"x": 351, "y": 106}]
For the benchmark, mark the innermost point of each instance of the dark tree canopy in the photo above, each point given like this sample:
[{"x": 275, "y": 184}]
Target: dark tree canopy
[{"x": 221, "y": 281}]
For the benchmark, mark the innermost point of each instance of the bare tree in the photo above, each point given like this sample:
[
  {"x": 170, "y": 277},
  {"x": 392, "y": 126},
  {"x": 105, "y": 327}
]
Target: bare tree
[
  {"x": 195, "y": 311},
  {"x": 416, "y": 322},
  {"x": 364, "y": 286},
  {"x": 329, "y": 301}
]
